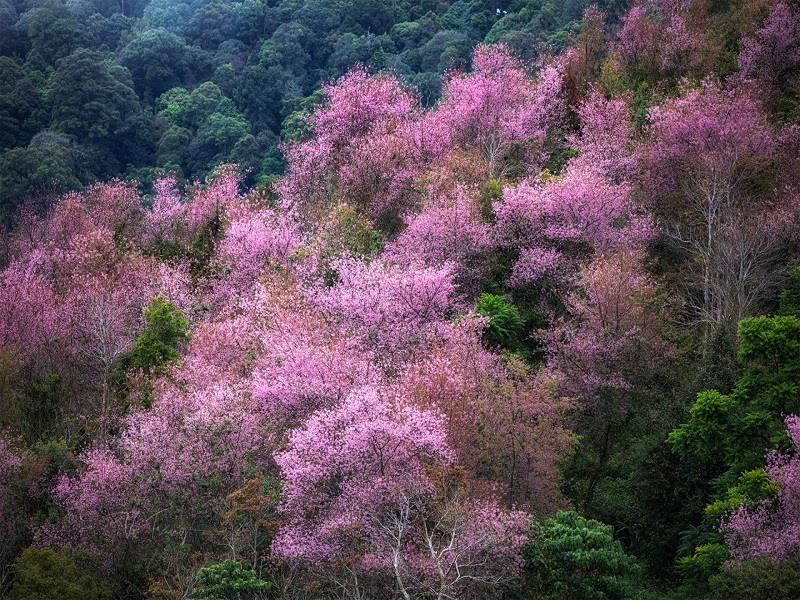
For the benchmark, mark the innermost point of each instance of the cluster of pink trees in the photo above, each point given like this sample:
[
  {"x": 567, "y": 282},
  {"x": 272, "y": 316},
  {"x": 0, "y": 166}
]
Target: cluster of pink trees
[
  {"x": 333, "y": 342},
  {"x": 772, "y": 528}
]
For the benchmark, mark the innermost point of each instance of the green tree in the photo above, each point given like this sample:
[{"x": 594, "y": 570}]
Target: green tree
[
  {"x": 43, "y": 574},
  {"x": 54, "y": 34},
  {"x": 573, "y": 558},
  {"x": 159, "y": 342},
  {"x": 736, "y": 429},
  {"x": 758, "y": 578},
  {"x": 90, "y": 100},
  {"x": 229, "y": 580},
  {"x": 21, "y": 105},
  {"x": 172, "y": 105},
  {"x": 173, "y": 147},
  {"x": 790, "y": 298},
  {"x": 160, "y": 60},
  {"x": 505, "y": 321},
  {"x": 728, "y": 434},
  {"x": 46, "y": 167}
]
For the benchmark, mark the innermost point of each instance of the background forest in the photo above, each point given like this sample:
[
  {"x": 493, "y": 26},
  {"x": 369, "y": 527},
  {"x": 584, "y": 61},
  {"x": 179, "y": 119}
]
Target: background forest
[
  {"x": 91, "y": 90},
  {"x": 418, "y": 300}
]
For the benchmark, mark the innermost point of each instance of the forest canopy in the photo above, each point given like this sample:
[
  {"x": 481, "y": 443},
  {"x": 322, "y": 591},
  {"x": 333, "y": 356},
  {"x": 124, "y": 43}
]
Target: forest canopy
[{"x": 366, "y": 300}]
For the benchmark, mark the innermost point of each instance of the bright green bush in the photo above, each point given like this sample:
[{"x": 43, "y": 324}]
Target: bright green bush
[
  {"x": 229, "y": 580},
  {"x": 570, "y": 557},
  {"x": 505, "y": 321},
  {"x": 158, "y": 343}
]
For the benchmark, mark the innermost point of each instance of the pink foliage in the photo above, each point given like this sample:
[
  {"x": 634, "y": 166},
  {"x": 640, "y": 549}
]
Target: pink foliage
[
  {"x": 207, "y": 202},
  {"x": 305, "y": 365},
  {"x": 659, "y": 37},
  {"x": 362, "y": 486},
  {"x": 372, "y": 143},
  {"x": 499, "y": 105},
  {"x": 774, "y": 49},
  {"x": 683, "y": 48},
  {"x": 447, "y": 230},
  {"x": 162, "y": 220},
  {"x": 771, "y": 529},
  {"x": 79, "y": 288},
  {"x": 614, "y": 337},
  {"x": 391, "y": 308},
  {"x": 554, "y": 221},
  {"x": 503, "y": 424},
  {"x": 636, "y": 38},
  {"x": 708, "y": 134},
  {"x": 605, "y": 141},
  {"x": 364, "y": 141},
  {"x": 345, "y": 463},
  {"x": 164, "y": 461},
  {"x": 254, "y": 239}
]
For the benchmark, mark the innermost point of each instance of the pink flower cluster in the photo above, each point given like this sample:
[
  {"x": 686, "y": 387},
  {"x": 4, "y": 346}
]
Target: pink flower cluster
[{"x": 771, "y": 529}]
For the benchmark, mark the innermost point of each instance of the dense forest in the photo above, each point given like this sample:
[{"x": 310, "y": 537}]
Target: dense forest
[
  {"x": 364, "y": 300},
  {"x": 92, "y": 89}
]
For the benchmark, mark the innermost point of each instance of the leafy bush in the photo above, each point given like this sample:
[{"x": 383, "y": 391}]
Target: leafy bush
[
  {"x": 43, "y": 574},
  {"x": 571, "y": 557},
  {"x": 505, "y": 321},
  {"x": 229, "y": 580},
  {"x": 757, "y": 579},
  {"x": 158, "y": 343}
]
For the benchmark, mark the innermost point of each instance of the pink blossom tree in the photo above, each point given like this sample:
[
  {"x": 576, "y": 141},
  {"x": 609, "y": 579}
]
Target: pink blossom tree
[
  {"x": 771, "y": 529},
  {"x": 605, "y": 354},
  {"x": 665, "y": 38},
  {"x": 390, "y": 308},
  {"x": 360, "y": 487},
  {"x": 499, "y": 106},
  {"x": 707, "y": 157},
  {"x": 769, "y": 56},
  {"x": 605, "y": 141},
  {"x": 447, "y": 230},
  {"x": 363, "y": 149},
  {"x": 505, "y": 424},
  {"x": 554, "y": 222}
]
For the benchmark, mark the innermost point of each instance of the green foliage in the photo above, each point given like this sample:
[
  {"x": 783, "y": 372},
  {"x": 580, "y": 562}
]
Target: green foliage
[
  {"x": 790, "y": 297},
  {"x": 570, "y": 557},
  {"x": 172, "y": 105},
  {"x": 229, "y": 580},
  {"x": 505, "y": 321},
  {"x": 35, "y": 170},
  {"x": 88, "y": 98},
  {"x": 704, "y": 562},
  {"x": 490, "y": 193},
  {"x": 37, "y": 407},
  {"x": 738, "y": 428},
  {"x": 757, "y": 579},
  {"x": 751, "y": 488},
  {"x": 43, "y": 574},
  {"x": 158, "y": 343},
  {"x": 729, "y": 434}
]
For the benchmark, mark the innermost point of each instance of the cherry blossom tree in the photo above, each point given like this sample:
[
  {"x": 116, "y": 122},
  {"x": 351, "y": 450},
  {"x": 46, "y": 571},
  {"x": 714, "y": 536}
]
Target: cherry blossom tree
[
  {"x": 553, "y": 222},
  {"x": 769, "y": 56},
  {"x": 390, "y": 308},
  {"x": 709, "y": 153},
  {"x": 447, "y": 230},
  {"x": 499, "y": 106},
  {"x": 361, "y": 487},
  {"x": 604, "y": 356},
  {"x": 772, "y": 528}
]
